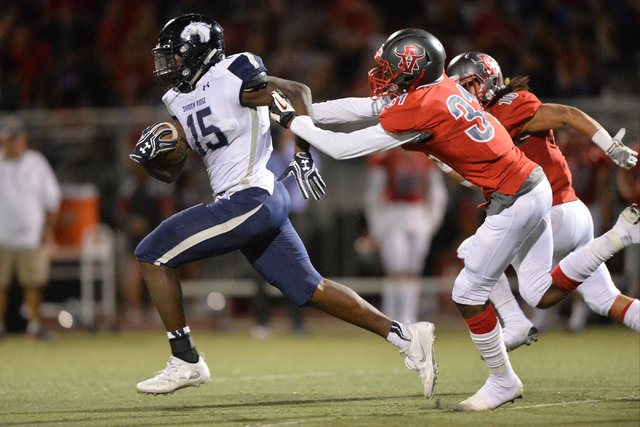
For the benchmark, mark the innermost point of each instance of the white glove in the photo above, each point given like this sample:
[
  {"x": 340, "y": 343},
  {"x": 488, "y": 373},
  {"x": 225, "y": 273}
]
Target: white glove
[
  {"x": 622, "y": 155},
  {"x": 619, "y": 153}
]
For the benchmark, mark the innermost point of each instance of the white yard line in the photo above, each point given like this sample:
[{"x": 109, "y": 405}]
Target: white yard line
[
  {"x": 288, "y": 423},
  {"x": 298, "y": 375},
  {"x": 575, "y": 402}
]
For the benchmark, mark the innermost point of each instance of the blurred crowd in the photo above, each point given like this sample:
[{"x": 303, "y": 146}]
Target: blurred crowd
[
  {"x": 89, "y": 53},
  {"x": 69, "y": 53}
]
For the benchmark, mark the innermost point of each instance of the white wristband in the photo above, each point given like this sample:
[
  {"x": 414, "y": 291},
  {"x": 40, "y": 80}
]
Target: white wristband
[{"x": 603, "y": 140}]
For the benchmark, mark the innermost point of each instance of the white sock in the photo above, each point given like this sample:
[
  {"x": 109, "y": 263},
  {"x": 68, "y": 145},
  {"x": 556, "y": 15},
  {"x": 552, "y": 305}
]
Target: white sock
[
  {"x": 399, "y": 336},
  {"x": 632, "y": 316},
  {"x": 505, "y": 303},
  {"x": 581, "y": 264},
  {"x": 493, "y": 350}
]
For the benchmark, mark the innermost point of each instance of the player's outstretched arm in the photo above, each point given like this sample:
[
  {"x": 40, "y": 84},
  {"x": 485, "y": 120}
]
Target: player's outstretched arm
[
  {"x": 302, "y": 168},
  {"x": 285, "y": 95},
  {"x": 298, "y": 94},
  {"x": 553, "y": 116},
  {"x": 362, "y": 111}
]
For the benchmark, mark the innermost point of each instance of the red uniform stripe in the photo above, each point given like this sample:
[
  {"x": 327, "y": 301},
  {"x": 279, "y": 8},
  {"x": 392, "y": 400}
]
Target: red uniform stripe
[
  {"x": 566, "y": 284},
  {"x": 483, "y": 323}
]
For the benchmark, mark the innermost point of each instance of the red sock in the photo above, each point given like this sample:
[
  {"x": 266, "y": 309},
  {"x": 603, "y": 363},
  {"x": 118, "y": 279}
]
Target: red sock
[
  {"x": 562, "y": 281},
  {"x": 624, "y": 311},
  {"x": 618, "y": 314},
  {"x": 484, "y": 322}
]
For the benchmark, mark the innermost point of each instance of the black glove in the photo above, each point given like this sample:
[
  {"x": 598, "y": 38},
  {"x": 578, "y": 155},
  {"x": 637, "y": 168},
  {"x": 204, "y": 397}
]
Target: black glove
[
  {"x": 306, "y": 174},
  {"x": 423, "y": 138},
  {"x": 150, "y": 145},
  {"x": 281, "y": 109}
]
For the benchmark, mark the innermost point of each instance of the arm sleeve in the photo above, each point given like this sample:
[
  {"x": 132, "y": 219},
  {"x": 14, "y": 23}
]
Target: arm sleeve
[
  {"x": 349, "y": 145},
  {"x": 346, "y": 110}
]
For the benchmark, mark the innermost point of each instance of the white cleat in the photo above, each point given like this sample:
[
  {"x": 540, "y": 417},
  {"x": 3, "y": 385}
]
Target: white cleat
[
  {"x": 419, "y": 356},
  {"x": 491, "y": 395},
  {"x": 516, "y": 336},
  {"x": 178, "y": 374},
  {"x": 627, "y": 228}
]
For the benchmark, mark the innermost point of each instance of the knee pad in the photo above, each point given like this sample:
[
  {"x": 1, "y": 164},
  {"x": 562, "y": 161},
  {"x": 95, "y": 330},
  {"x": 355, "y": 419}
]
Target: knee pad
[
  {"x": 464, "y": 247},
  {"x": 470, "y": 289},
  {"x": 599, "y": 291},
  {"x": 529, "y": 296}
]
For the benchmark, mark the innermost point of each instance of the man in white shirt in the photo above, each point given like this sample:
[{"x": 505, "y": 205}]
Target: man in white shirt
[{"x": 30, "y": 197}]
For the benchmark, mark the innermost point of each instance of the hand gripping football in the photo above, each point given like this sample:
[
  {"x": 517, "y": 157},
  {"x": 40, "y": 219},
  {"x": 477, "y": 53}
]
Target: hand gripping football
[{"x": 177, "y": 154}]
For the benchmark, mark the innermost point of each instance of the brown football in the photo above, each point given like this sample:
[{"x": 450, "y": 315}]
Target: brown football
[{"x": 177, "y": 154}]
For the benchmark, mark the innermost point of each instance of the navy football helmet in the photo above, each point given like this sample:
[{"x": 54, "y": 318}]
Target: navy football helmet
[
  {"x": 479, "y": 71},
  {"x": 408, "y": 58},
  {"x": 188, "y": 45}
]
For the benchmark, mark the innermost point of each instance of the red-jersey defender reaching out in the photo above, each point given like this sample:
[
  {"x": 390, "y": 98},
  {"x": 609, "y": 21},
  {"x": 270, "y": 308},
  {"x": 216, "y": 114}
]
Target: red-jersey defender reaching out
[{"x": 428, "y": 111}]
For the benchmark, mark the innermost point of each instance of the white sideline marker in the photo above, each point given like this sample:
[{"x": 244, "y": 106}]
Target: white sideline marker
[{"x": 575, "y": 402}]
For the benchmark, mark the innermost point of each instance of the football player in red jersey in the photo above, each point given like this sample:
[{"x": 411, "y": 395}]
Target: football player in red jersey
[
  {"x": 405, "y": 201},
  {"x": 530, "y": 124},
  {"x": 427, "y": 111}
]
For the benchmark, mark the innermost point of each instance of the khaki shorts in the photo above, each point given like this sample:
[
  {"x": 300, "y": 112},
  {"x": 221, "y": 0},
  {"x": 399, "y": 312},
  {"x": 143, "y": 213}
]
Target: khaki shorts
[{"x": 30, "y": 265}]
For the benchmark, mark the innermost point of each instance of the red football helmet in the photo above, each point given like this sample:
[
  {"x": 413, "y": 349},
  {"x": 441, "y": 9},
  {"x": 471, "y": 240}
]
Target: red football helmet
[
  {"x": 408, "y": 58},
  {"x": 478, "y": 71}
]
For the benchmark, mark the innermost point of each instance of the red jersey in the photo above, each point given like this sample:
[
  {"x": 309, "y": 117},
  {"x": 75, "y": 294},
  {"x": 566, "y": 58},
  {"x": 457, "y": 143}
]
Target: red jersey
[
  {"x": 514, "y": 110},
  {"x": 472, "y": 142},
  {"x": 407, "y": 174}
]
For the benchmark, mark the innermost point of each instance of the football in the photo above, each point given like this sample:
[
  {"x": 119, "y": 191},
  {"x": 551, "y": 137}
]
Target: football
[{"x": 178, "y": 154}]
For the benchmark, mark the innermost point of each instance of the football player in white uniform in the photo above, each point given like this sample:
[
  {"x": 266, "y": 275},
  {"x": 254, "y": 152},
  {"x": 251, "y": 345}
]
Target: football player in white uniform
[{"x": 222, "y": 104}]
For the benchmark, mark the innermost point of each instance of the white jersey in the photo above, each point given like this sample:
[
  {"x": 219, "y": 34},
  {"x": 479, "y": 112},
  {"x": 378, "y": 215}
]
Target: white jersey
[
  {"x": 28, "y": 190},
  {"x": 234, "y": 141}
]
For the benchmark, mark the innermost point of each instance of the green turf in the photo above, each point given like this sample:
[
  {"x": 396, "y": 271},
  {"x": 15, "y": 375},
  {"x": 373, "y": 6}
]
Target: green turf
[{"x": 333, "y": 376}]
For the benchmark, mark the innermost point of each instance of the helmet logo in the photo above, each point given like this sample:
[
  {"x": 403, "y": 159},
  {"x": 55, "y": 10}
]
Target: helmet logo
[
  {"x": 200, "y": 31},
  {"x": 489, "y": 65},
  {"x": 408, "y": 60}
]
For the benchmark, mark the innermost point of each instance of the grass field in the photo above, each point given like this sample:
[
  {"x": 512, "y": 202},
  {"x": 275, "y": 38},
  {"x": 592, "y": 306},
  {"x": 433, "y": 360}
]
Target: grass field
[{"x": 337, "y": 376}]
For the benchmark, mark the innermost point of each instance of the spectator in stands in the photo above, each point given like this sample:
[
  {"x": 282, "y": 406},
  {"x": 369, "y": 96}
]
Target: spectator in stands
[
  {"x": 30, "y": 197},
  {"x": 561, "y": 45}
]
